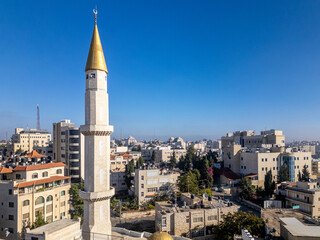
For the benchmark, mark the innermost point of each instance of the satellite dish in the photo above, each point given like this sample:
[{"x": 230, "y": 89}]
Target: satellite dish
[{"x": 205, "y": 195}]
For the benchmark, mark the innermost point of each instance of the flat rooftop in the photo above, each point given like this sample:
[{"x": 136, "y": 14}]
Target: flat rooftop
[
  {"x": 53, "y": 227},
  {"x": 298, "y": 229}
]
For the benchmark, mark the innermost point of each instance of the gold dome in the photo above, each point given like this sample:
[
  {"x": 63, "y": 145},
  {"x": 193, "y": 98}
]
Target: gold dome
[
  {"x": 96, "y": 59},
  {"x": 160, "y": 236}
]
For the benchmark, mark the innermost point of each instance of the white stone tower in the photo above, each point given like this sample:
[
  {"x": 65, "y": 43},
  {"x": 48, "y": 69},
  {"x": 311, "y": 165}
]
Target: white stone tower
[{"x": 97, "y": 191}]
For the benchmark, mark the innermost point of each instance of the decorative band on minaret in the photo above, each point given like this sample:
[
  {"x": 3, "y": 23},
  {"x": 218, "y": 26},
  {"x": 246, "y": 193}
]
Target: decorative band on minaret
[{"x": 97, "y": 191}]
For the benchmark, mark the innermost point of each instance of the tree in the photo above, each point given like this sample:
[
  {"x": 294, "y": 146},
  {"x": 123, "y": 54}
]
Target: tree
[
  {"x": 189, "y": 183},
  {"x": 128, "y": 172},
  {"x": 299, "y": 176},
  {"x": 76, "y": 201},
  {"x": 139, "y": 162},
  {"x": 19, "y": 151},
  {"x": 153, "y": 156},
  {"x": 173, "y": 160},
  {"x": 185, "y": 163},
  {"x": 284, "y": 173},
  {"x": 39, "y": 221},
  {"x": 233, "y": 223},
  {"x": 269, "y": 184},
  {"x": 305, "y": 174},
  {"x": 247, "y": 189}
]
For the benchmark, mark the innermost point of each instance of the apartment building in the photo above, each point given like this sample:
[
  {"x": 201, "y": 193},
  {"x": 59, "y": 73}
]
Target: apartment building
[
  {"x": 27, "y": 191},
  {"x": 249, "y": 139},
  {"x": 163, "y": 153},
  {"x": 191, "y": 217},
  {"x": 259, "y": 161},
  {"x": 305, "y": 196},
  {"x": 293, "y": 229},
  {"x": 118, "y": 164},
  {"x": 68, "y": 147},
  {"x": 151, "y": 182},
  {"x": 316, "y": 167},
  {"x": 26, "y": 140}
]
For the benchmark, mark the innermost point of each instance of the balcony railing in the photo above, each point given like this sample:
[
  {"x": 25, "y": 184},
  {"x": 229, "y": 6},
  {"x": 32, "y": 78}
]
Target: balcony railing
[{"x": 299, "y": 200}]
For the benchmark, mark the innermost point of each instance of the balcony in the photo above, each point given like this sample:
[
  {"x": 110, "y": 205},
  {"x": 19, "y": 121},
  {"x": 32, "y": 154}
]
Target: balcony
[{"x": 300, "y": 201}]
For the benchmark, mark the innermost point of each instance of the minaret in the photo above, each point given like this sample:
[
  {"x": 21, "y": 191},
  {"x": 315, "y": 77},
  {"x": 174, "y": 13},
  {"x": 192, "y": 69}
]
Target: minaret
[{"x": 97, "y": 191}]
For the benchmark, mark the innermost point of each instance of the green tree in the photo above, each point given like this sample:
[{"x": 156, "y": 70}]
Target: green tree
[
  {"x": 233, "y": 223},
  {"x": 269, "y": 184},
  {"x": 128, "y": 172},
  {"x": 305, "y": 173},
  {"x": 153, "y": 156},
  {"x": 299, "y": 176},
  {"x": 76, "y": 201},
  {"x": 197, "y": 173},
  {"x": 189, "y": 183},
  {"x": 284, "y": 173},
  {"x": 173, "y": 160},
  {"x": 39, "y": 221},
  {"x": 191, "y": 150},
  {"x": 247, "y": 189},
  {"x": 19, "y": 151},
  {"x": 139, "y": 162},
  {"x": 185, "y": 163}
]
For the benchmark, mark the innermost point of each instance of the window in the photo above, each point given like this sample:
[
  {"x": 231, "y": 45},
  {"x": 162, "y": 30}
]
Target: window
[
  {"x": 142, "y": 177},
  {"x": 266, "y": 169},
  {"x": 241, "y": 158},
  {"x": 25, "y": 216},
  {"x": 274, "y": 159},
  {"x": 45, "y": 174},
  {"x": 62, "y": 204},
  {"x": 274, "y": 168},
  {"x": 26, "y": 203},
  {"x": 10, "y": 230},
  {"x": 10, "y": 191},
  {"x": 63, "y": 193},
  {"x": 198, "y": 219},
  {"x": 92, "y": 75},
  {"x": 35, "y": 175},
  {"x": 152, "y": 189},
  {"x": 241, "y": 167},
  {"x": 262, "y": 160},
  {"x": 245, "y": 167},
  {"x": 39, "y": 200},
  {"x": 59, "y": 171},
  {"x": 266, "y": 159},
  {"x": 49, "y": 198},
  {"x": 11, "y": 218},
  {"x": 142, "y": 185},
  {"x": 164, "y": 222},
  {"x": 62, "y": 215},
  {"x": 187, "y": 219},
  {"x": 11, "y": 204},
  {"x": 163, "y": 188},
  {"x": 142, "y": 194},
  {"x": 262, "y": 169},
  {"x": 212, "y": 217},
  {"x": 18, "y": 176}
]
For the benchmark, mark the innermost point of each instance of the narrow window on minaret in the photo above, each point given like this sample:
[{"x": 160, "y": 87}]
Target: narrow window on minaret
[
  {"x": 101, "y": 212},
  {"x": 101, "y": 148}
]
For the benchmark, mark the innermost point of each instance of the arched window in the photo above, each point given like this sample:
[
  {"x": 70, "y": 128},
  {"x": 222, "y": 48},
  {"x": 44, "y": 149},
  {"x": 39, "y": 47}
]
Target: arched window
[
  {"x": 26, "y": 203},
  {"x": 63, "y": 193},
  {"x": 45, "y": 174},
  {"x": 35, "y": 175},
  {"x": 59, "y": 171},
  {"x": 39, "y": 200},
  {"x": 49, "y": 198}
]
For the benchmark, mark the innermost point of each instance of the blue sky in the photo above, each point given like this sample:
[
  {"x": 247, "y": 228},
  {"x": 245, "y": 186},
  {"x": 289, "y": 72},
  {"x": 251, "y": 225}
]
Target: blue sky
[{"x": 196, "y": 69}]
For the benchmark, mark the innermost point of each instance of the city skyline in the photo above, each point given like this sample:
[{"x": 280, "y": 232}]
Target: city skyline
[{"x": 178, "y": 73}]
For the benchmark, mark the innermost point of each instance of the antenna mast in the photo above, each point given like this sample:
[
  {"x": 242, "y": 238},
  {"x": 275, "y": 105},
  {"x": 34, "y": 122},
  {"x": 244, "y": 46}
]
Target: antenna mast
[{"x": 38, "y": 117}]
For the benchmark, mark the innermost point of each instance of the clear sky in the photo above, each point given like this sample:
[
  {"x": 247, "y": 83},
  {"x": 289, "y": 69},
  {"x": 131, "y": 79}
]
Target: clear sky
[{"x": 196, "y": 69}]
